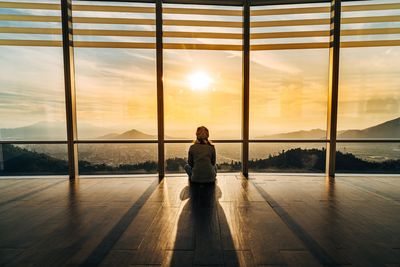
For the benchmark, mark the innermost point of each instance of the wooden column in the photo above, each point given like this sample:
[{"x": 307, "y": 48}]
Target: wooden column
[
  {"x": 160, "y": 90},
  {"x": 246, "y": 87},
  {"x": 334, "y": 50},
  {"x": 69, "y": 84}
]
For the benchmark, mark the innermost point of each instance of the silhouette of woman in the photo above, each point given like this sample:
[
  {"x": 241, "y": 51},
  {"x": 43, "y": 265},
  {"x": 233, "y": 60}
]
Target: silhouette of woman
[
  {"x": 201, "y": 167},
  {"x": 203, "y": 236}
]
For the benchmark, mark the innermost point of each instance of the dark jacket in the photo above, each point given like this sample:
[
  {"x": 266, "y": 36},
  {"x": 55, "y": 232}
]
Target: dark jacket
[{"x": 202, "y": 160}]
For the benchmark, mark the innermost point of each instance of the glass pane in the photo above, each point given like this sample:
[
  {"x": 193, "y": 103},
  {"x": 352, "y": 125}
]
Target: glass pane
[
  {"x": 202, "y": 87},
  {"x": 116, "y": 87},
  {"x": 287, "y": 157},
  {"x": 288, "y": 94},
  {"x": 32, "y": 82},
  {"x": 33, "y": 159},
  {"x": 228, "y": 157},
  {"x": 117, "y": 158},
  {"x": 288, "y": 80},
  {"x": 369, "y": 95},
  {"x": 117, "y": 98},
  {"x": 368, "y": 158}
]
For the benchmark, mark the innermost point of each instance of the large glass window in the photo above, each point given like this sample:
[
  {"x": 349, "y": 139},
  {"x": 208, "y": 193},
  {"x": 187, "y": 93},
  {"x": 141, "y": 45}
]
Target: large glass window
[
  {"x": 369, "y": 92},
  {"x": 288, "y": 86},
  {"x": 115, "y": 77},
  {"x": 202, "y": 70},
  {"x": 369, "y": 95},
  {"x": 289, "y": 71},
  {"x": 32, "y": 95},
  {"x": 116, "y": 92}
]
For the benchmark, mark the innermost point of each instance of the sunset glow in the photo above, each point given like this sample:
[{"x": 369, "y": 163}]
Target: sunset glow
[{"x": 199, "y": 81}]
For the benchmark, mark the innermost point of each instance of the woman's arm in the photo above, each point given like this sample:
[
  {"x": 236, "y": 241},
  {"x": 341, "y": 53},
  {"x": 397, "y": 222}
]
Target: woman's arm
[
  {"x": 190, "y": 158},
  {"x": 213, "y": 156}
]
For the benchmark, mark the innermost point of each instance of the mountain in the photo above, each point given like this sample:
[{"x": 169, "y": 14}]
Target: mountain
[
  {"x": 131, "y": 134},
  {"x": 49, "y": 130},
  {"x": 311, "y": 134},
  {"x": 42, "y": 130},
  {"x": 388, "y": 129}
]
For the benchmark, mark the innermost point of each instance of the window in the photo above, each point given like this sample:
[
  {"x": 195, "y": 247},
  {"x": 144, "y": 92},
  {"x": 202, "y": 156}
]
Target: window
[
  {"x": 32, "y": 83},
  {"x": 369, "y": 95},
  {"x": 202, "y": 70},
  {"x": 115, "y": 70},
  {"x": 288, "y": 86}
]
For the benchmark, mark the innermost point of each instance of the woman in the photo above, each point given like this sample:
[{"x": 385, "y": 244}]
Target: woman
[{"x": 201, "y": 166}]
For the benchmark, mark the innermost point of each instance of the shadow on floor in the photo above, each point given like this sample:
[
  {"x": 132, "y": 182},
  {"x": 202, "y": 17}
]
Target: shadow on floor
[{"x": 200, "y": 239}]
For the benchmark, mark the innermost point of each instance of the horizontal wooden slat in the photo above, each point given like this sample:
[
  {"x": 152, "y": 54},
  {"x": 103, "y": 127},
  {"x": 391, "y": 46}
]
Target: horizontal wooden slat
[
  {"x": 289, "y": 22},
  {"x": 211, "y": 35},
  {"x": 31, "y": 43},
  {"x": 113, "y": 44},
  {"x": 288, "y": 46},
  {"x": 203, "y": 46},
  {"x": 371, "y": 19},
  {"x": 153, "y": 45},
  {"x": 114, "y": 33},
  {"x": 288, "y": 11},
  {"x": 30, "y": 18},
  {"x": 198, "y": 11},
  {"x": 370, "y": 31},
  {"x": 125, "y": 9},
  {"x": 30, "y": 30},
  {"x": 370, "y": 7},
  {"x": 370, "y": 43},
  {"x": 26, "y": 5},
  {"x": 268, "y": 35},
  {"x": 95, "y": 20},
  {"x": 203, "y": 23}
]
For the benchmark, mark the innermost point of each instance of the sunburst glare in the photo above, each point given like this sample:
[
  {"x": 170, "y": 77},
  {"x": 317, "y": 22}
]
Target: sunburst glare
[{"x": 199, "y": 81}]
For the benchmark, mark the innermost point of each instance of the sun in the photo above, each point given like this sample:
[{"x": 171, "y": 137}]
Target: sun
[{"x": 199, "y": 81}]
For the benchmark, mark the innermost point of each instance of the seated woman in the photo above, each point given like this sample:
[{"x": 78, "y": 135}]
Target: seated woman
[{"x": 201, "y": 166}]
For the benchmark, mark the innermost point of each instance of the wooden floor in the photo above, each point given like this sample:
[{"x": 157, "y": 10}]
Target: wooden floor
[{"x": 265, "y": 221}]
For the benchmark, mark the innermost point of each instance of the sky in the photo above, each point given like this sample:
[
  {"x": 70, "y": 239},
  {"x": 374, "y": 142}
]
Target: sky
[{"x": 116, "y": 88}]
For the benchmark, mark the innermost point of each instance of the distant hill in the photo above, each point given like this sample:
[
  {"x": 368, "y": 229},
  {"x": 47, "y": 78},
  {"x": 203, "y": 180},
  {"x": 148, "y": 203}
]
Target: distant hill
[
  {"x": 38, "y": 131},
  {"x": 388, "y": 129},
  {"x": 132, "y": 134},
  {"x": 313, "y": 160},
  {"x": 18, "y": 161},
  {"x": 49, "y": 130},
  {"x": 311, "y": 134}
]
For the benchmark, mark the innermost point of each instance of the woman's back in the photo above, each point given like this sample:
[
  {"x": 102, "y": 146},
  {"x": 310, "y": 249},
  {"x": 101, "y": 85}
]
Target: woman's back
[{"x": 202, "y": 160}]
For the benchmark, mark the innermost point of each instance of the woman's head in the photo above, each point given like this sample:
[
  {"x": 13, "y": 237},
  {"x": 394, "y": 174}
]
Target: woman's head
[{"x": 202, "y": 135}]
